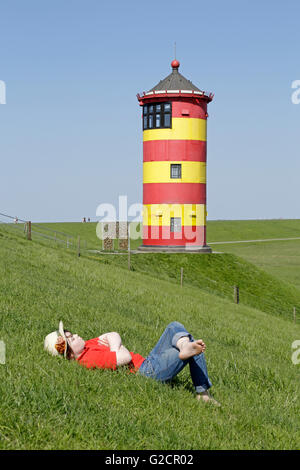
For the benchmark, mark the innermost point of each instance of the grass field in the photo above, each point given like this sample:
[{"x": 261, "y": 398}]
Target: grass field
[
  {"x": 47, "y": 403},
  {"x": 223, "y": 230},
  {"x": 279, "y": 258}
]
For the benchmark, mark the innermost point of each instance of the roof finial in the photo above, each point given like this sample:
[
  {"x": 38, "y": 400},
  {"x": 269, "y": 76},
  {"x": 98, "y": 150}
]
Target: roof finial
[{"x": 175, "y": 50}]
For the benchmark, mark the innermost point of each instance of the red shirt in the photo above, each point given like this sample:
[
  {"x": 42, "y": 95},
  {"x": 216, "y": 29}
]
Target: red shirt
[{"x": 98, "y": 355}]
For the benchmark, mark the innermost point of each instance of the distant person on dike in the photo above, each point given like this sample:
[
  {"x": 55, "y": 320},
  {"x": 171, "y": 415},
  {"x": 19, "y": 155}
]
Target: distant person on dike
[{"x": 175, "y": 349}]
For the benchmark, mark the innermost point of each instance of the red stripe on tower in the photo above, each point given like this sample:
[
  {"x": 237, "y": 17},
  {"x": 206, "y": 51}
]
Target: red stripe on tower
[
  {"x": 174, "y": 193},
  {"x": 174, "y": 150}
]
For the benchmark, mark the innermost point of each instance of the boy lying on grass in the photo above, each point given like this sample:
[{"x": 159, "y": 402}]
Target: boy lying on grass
[{"x": 175, "y": 349}]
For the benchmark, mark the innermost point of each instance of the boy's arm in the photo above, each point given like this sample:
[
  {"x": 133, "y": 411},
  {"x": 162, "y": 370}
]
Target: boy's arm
[{"x": 114, "y": 342}]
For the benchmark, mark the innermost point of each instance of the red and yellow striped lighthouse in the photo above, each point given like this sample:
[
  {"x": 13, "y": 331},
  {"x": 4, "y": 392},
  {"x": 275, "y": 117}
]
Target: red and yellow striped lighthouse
[{"x": 174, "y": 164}]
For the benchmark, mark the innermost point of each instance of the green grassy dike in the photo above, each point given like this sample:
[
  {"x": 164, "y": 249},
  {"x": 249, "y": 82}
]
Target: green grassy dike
[
  {"x": 217, "y": 273},
  {"x": 48, "y": 403}
]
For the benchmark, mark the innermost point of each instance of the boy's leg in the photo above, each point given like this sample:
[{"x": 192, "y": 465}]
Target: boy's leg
[
  {"x": 198, "y": 370},
  {"x": 163, "y": 362},
  {"x": 173, "y": 332},
  {"x": 165, "y": 365},
  {"x": 171, "y": 353},
  {"x": 199, "y": 373}
]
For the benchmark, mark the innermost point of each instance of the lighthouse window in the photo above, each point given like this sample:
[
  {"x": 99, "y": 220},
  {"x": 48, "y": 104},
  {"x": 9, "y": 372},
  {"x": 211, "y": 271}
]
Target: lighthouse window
[
  {"x": 150, "y": 117},
  {"x": 157, "y": 116},
  {"x": 175, "y": 224},
  {"x": 167, "y": 120},
  {"x": 175, "y": 170}
]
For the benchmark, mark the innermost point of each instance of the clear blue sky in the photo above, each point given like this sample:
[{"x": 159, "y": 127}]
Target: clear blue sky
[{"x": 70, "y": 131}]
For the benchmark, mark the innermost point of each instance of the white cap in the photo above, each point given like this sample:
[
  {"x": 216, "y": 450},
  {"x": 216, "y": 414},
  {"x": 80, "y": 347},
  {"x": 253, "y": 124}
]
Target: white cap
[{"x": 51, "y": 340}]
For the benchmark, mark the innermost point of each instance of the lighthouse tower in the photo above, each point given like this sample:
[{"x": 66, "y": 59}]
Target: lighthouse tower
[{"x": 174, "y": 165}]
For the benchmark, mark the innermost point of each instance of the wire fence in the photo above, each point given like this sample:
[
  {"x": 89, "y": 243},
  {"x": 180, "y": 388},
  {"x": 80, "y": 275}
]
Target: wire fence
[
  {"x": 13, "y": 224},
  {"x": 43, "y": 234},
  {"x": 40, "y": 232},
  {"x": 264, "y": 301}
]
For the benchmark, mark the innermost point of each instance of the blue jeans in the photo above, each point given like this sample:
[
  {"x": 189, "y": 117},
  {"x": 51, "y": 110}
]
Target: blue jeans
[{"x": 163, "y": 362}]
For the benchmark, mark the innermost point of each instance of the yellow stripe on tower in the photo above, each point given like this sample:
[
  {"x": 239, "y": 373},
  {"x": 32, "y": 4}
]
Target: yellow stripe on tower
[
  {"x": 182, "y": 129},
  {"x": 160, "y": 172},
  {"x": 160, "y": 214}
]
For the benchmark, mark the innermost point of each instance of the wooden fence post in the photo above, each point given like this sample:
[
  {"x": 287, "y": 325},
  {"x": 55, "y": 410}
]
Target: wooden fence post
[
  {"x": 29, "y": 230},
  {"x": 236, "y": 294},
  {"x": 78, "y": 251}
]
